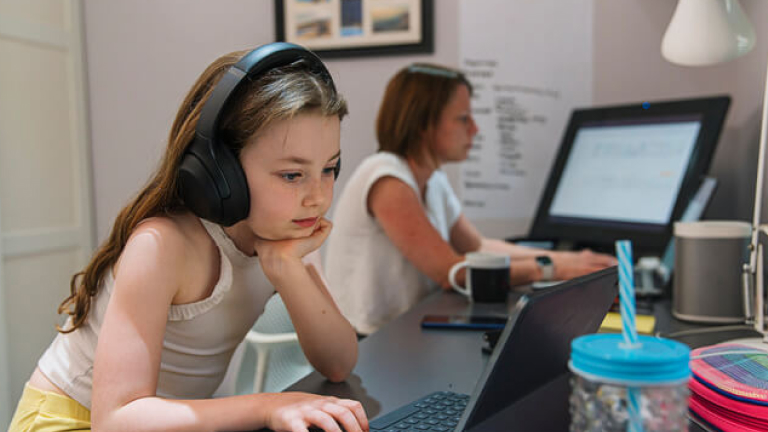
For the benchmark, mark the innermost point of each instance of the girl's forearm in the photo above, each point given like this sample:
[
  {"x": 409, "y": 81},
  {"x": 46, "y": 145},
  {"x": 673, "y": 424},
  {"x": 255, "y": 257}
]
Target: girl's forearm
[
  {"x": 327, "y": 338},
  {"x": 150, "y": 414}
]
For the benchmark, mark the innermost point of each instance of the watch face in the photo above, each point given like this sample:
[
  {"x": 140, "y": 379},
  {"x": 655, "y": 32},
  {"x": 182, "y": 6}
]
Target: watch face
[{"x": 544, "y": 260}]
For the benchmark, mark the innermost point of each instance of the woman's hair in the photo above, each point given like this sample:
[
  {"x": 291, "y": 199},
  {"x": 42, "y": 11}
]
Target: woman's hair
[
  {"x": 280, "y": 94},
  {"x": 413, "y": 102}
]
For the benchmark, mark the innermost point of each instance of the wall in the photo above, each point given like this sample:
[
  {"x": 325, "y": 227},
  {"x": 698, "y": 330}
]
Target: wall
[{"x": 143, "y": 56}]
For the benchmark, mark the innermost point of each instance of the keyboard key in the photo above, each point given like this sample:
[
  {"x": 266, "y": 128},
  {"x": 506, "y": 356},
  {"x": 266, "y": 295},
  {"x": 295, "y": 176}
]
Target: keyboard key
[
  {"x": 437, "y": 412},
  {"x": 395, "y": 416}
]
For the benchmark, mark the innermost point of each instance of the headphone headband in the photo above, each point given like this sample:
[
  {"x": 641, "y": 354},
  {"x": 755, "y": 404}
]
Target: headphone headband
[{"x": 254, "y": 64}]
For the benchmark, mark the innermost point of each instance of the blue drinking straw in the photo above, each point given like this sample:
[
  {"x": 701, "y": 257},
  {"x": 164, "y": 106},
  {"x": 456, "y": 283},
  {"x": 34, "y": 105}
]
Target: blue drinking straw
[
  {"x": 628, "y": 326},
  {"x": 627, "y": 292}
]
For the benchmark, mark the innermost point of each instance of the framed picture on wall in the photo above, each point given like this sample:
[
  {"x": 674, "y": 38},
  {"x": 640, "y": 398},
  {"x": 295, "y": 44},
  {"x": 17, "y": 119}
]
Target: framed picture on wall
[{"x": 347, "y": 28}]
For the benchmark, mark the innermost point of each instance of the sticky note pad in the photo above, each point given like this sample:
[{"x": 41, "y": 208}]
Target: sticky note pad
[{"x": 612, "y": 323}]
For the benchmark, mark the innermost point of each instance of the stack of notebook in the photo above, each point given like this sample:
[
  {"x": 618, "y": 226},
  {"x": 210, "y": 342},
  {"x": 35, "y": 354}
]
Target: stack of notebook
[{"x": 729, "y": 387}]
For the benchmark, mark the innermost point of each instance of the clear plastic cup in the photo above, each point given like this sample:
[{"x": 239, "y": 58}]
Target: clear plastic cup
[{"x": 606, "y": 373}]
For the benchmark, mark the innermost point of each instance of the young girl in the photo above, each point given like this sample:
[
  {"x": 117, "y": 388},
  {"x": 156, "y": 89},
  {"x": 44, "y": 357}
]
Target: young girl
[
  {"x": 159, "y": 310},
  {"x": 399, "y": 224}
]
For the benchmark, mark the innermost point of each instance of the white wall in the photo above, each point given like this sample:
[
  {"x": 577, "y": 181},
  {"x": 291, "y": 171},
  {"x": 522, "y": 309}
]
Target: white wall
[{"x": 143, "y": 55}]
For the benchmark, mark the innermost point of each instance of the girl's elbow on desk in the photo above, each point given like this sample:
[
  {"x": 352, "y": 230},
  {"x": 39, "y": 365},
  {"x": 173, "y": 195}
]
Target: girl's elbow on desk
[
  {"x": 337, "y": 371},
  {"x": 336, "y": 363}
]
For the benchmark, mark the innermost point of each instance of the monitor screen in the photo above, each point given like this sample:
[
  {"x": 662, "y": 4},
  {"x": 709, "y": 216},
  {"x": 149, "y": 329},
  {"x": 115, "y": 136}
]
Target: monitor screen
[{"x": 627, "y": 172}]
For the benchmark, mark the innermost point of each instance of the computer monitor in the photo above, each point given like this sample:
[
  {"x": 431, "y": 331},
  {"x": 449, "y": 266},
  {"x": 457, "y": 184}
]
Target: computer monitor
[{"x": 628, "y": 172}]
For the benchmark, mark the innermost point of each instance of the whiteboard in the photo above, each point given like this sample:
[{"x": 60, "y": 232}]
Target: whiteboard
[{"x": 530, "y": 63}]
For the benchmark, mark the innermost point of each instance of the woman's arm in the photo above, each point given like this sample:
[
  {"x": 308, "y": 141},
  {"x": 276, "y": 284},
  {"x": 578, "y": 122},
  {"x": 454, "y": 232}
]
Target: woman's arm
[
  {"x": 466, "y": 238},
  {"x": 328, "y": 340},
  {"x": 568, "y": 264},
  {"x": 401, "y": 215},
  {"x": 151, "y": 272},
  {"x": 523, "y": 269}
]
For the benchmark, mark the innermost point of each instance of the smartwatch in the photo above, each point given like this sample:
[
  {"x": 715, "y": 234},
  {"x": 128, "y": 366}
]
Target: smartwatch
[{"x": 546, "y": 266}]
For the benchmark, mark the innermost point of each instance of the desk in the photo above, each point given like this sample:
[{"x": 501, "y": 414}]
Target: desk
[{"x": 401, "y": 362}]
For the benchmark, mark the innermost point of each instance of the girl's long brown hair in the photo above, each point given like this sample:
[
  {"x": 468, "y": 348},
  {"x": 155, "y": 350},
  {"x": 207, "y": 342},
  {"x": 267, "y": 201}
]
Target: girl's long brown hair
[{"x": 277, "y": 95}]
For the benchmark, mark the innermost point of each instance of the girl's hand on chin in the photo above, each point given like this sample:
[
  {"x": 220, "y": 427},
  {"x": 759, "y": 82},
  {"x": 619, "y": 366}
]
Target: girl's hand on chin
[{"x": 274, "y": 253}]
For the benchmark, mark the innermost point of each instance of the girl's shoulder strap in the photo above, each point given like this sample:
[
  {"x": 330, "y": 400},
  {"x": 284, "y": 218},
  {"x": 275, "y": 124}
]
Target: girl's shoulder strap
[{"x": 225, "y": 244}]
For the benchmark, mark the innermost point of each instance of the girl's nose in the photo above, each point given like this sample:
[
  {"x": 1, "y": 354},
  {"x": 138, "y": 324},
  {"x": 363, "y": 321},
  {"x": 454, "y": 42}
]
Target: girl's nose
[{"x": 315, "y": 196}]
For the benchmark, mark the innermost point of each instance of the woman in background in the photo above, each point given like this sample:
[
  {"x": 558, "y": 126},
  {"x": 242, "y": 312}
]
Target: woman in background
[{"x": 399, "y": 225}]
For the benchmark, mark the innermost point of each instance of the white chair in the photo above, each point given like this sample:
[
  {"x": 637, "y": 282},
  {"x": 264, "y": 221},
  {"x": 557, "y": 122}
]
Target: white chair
[{"x": 276, "y": 358}]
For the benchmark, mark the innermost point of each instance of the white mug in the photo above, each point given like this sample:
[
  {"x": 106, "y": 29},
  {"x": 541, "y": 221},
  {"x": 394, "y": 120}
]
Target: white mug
[{"x": 487, "y": 278}]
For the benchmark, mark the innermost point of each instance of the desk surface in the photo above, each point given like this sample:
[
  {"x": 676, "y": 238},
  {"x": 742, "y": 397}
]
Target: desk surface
[{"x": 403, "y": 362}]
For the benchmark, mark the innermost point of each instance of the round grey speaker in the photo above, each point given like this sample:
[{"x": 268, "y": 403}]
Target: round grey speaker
[{"x": 709, "y": 256}]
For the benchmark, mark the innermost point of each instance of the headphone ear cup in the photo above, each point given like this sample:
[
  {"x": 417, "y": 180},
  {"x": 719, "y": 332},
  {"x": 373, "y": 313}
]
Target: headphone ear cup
[
  {"x": 238, "y": 205},
  {"x": 201, "y": 190},
  {"x": 198, "y": 189}
]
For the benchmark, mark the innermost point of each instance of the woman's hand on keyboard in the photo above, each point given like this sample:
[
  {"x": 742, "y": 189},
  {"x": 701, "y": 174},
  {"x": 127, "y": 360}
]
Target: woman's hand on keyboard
[
  {"x": 569, "y": 265},
  {"x": 297, "y": 412}
]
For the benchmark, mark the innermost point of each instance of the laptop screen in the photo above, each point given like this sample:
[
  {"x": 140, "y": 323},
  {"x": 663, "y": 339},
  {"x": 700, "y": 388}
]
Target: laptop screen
[{"x": 535, "y": 345}]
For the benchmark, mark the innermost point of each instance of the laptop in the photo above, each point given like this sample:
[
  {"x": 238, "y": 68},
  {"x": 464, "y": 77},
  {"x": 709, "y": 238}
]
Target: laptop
[{"x": 532, "y": 350}]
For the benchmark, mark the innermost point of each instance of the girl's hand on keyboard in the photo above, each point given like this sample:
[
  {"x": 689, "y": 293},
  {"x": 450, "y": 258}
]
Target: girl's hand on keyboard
[{"x": 297, "y": 412}]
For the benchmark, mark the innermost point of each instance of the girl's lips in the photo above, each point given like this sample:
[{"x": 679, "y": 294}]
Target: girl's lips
[{"x": 305, "y": 223}]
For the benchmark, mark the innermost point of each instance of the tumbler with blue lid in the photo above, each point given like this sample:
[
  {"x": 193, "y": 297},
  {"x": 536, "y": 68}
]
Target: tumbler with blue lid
[{"x": 626, "y": 382}]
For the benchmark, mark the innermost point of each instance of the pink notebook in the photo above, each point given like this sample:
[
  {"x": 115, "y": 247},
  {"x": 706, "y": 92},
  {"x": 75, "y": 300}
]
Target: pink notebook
[
  {"x": 724, "y": 413},
  {"x": 733, "y": 370},
  {"x": 729, "y": 388}
]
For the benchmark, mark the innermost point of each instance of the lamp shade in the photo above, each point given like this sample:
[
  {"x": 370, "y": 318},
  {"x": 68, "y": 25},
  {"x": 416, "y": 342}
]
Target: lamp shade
[{"x": 705, "y": 32}]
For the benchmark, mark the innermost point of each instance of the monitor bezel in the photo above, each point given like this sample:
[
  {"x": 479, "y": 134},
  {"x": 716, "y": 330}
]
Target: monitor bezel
[{"x": 651, "y": 238}]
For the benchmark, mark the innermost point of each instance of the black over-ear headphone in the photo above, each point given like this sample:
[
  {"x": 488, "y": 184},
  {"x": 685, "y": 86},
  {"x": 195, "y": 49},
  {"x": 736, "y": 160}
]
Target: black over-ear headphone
[{"x": 211, "y": 180}]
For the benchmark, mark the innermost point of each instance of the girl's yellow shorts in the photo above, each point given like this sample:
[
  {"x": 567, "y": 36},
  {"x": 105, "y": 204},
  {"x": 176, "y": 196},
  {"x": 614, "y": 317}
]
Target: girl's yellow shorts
[{"x": 43, "y": 411}]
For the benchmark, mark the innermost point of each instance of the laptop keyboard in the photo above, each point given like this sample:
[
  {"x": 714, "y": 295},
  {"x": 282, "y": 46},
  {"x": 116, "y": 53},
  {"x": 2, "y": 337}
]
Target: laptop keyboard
[{"x": 437, "y": 412}]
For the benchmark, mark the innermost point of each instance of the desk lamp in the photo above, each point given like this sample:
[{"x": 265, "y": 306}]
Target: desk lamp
[{"x": 707, "y": 32}]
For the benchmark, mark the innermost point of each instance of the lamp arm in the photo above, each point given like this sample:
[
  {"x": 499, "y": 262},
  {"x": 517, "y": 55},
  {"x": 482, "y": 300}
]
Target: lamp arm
[{"x": 759, "y": 182}]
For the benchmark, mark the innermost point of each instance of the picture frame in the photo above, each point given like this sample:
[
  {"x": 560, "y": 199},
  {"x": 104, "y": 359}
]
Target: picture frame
[{"x": 351, "y": 28}]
